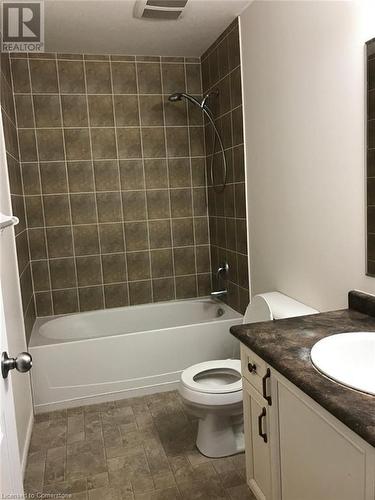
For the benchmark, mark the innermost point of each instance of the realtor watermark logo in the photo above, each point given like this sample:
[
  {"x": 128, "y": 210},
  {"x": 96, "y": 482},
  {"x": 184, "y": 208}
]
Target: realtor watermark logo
[{"x": 22, "y": 26}]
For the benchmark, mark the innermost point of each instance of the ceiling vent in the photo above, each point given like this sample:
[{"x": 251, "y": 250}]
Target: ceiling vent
[{"x": 162, "y": 10}]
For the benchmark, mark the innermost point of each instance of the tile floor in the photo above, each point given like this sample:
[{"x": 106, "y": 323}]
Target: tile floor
[{"x": 140, "y": 449}]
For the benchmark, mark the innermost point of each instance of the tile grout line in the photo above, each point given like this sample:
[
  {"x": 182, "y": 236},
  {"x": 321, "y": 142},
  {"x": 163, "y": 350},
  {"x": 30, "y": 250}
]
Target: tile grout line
[
  {"x": 23, "y": 194},
  {"x": 141, "y": 94},
  {"x": 95, "y": 185},
  {"x": 108, "y": 58},
  {"x": 121, "y": 253},
  {"x": 114, "y": 159},
  {"x": 212, "y": 197},
  {"x": 144, "y": 181},
  {"x": 169, "y": 190},
  {"x": 9, "y": 118},
  {"x": 213, "y": 84},
  {"x": 192, "y": 192},
  {"x": 68, "y": 195},
  {"x": 125, "y": 126},
  {"x": 130, "y": 222},
  {"x": 28, "y": 304},
  {"x": 182, "y": 188},
  {"x": 120, "y": 186},
  {"x": 106, "y": 126},
  {"x": 228, "y": 75},
  {"x": 41, "y": 191},
  {"x": 232, "y": 109},
  {"x": 206, "y": 187},
  {"x": 95, "y": 285}
]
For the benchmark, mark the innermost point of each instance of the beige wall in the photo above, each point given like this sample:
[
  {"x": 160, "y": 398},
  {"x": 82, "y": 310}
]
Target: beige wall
[{"x": 303, "y": 79}]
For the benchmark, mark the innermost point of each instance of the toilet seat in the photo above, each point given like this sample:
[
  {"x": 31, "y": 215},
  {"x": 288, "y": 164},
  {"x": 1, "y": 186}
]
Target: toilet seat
[
  {"x": 213, "y": 393},
  {"x": 197, "y": 377}
]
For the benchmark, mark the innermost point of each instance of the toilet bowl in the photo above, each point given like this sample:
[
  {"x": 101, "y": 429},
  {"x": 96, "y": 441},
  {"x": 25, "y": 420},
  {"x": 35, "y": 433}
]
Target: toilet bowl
[{"x": 212, "y": 390}]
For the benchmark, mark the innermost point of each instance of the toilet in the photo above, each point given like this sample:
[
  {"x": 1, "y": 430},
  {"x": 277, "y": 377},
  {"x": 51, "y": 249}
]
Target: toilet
[{"x": 212, "y": 390}]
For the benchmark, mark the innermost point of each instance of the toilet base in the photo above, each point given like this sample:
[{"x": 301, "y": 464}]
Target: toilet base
[{"x": 220, "y": 435}]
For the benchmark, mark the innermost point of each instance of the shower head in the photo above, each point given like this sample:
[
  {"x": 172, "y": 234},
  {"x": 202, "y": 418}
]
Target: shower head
[{"x": 177, "y": 96}]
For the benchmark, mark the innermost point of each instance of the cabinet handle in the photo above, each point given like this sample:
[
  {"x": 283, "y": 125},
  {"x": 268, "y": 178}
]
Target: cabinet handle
[
  {"x": 264, "y": 387},
  {"x": 252, "y": 367},
  {"x": 260, "y": 426}
]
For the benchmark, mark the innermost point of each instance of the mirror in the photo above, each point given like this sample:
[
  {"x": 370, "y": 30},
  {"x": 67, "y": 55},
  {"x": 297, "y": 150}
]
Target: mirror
[{"x": 370, "y": 58}]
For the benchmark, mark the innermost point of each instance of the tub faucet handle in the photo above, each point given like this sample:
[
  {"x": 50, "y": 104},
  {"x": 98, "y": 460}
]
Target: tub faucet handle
[{"x": 223, "y": 271}]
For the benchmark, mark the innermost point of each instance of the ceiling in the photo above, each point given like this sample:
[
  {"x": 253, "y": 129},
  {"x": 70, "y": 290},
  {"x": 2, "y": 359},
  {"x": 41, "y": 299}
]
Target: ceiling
[{"x": 108, "y": 27}]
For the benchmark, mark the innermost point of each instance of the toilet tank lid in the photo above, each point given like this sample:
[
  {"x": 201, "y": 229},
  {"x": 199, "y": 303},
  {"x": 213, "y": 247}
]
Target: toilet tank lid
[{"x": 275, "y": 305}]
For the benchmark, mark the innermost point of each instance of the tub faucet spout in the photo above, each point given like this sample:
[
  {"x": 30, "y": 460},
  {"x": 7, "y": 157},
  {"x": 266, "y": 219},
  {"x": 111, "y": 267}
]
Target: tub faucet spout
[
  {"x": 221, "y": 273},
  {"x": 219, "y": 293}
]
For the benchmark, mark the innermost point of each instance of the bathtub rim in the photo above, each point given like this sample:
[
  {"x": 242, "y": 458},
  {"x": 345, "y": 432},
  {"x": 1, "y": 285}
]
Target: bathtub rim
[{"x": 36, "y": 339}]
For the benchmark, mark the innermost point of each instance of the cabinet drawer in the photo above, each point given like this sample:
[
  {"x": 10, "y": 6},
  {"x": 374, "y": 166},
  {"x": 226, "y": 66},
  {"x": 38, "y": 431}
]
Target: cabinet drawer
[{"x": 253, "y": 368}]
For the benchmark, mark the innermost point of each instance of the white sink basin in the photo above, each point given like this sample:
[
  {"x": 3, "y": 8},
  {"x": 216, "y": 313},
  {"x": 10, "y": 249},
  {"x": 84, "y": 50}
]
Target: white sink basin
[{"x": 347, "y": 358}]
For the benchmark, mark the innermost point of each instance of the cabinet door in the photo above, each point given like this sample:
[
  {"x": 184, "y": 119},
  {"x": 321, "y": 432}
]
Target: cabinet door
[
  {"x": 257, "y": 439},
  {"x": 318, "y": 460}
]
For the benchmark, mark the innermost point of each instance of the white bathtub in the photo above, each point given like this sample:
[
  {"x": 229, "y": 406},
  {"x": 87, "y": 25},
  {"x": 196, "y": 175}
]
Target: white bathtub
[{"x": 112, "y": 354}]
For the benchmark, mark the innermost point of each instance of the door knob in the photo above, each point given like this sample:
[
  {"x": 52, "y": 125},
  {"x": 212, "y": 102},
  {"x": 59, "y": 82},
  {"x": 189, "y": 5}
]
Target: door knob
[{"x": 22, "y": 363}]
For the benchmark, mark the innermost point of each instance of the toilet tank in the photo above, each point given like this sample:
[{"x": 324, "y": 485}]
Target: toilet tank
[{"x": 275, "y": 305}]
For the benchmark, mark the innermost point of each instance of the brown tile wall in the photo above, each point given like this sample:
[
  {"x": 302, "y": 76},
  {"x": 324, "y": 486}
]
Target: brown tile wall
[
  {"x": 114, "y": 180},
  {"x": 16, "y": 190},
  {"x": 371, "y": 157},
  {"x": 221, "y": 72}
]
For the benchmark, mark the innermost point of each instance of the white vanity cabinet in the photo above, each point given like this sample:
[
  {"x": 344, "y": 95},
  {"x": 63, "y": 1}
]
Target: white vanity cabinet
[
  {"x": 260, "y": 432},
  {"x": 308, "y": 454}
]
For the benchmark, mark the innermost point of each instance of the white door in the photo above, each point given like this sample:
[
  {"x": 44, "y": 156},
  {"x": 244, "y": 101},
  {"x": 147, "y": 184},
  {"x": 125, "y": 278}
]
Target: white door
[
  {"x": 10, "y": 462},
  {"x": 10, "y": 465}
]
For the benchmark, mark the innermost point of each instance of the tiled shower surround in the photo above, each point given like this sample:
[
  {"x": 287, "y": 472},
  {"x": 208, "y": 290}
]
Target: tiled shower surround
[
  {"x": 114, "y": 180},
  {"x": 221, "y": 73},
  {"x": 113, "y": 192},
  {"x": 16, "y": 190}
]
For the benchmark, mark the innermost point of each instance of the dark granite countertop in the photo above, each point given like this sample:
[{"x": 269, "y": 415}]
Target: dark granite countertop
[{"x": 285, "y": 345}]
